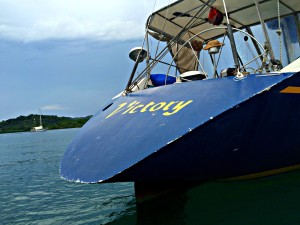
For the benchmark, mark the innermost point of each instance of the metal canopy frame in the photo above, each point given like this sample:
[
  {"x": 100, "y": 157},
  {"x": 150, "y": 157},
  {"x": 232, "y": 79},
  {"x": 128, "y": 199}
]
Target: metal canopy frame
[{"x": 196, "y": 20}]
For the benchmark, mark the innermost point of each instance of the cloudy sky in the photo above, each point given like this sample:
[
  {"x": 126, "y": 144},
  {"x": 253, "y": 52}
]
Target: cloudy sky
[
  {"x": 67, "y": 57},
  {"x": 70, "y": 57}
]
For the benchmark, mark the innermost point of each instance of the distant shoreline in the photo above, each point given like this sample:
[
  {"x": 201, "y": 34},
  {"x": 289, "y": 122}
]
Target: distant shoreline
[
  {"x": 51, "y": 122},
  {"x": 41, "y": 132}
]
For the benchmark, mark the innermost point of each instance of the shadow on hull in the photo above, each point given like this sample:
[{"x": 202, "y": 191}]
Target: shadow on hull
[{"x": 258, "y": 135}]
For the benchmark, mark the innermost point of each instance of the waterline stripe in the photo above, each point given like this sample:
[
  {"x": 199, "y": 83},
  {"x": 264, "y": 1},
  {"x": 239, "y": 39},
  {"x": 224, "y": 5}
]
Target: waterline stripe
[
  {"x": 262, "y": 174},
  {"x": 291, "y": 90}
]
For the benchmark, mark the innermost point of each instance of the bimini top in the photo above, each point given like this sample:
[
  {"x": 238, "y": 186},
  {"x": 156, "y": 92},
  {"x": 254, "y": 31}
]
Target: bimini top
[{"x": 170, "y": 20}]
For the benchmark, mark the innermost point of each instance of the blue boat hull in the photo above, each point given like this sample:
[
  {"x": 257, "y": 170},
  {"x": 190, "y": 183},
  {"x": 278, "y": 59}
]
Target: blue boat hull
[{"x": 210, "y": 129}]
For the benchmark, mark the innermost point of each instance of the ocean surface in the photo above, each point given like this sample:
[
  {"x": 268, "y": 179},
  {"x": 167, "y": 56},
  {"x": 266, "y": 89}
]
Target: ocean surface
[{"x": 32, "y": 192}]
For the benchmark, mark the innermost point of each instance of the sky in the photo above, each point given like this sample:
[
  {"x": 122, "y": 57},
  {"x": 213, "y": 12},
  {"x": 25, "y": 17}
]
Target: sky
[
  {"x": 67, "y": 58},
  {"x": 70, "y": 57}
]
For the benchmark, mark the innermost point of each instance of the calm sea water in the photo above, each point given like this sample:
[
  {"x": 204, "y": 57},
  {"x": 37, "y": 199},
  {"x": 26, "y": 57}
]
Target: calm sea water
[{"x": 32, "y": 192}]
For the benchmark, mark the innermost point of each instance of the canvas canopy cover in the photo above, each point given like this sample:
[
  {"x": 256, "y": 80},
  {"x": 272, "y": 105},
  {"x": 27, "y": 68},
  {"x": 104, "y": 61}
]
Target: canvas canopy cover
[{"x": 177, "y": 18}]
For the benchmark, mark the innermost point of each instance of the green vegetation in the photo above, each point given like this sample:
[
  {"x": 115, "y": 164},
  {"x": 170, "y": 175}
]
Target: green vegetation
[{"x": 25, "y": 123}]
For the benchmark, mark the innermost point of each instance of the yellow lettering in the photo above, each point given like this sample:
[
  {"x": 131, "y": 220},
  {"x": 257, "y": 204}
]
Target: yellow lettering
[
  {"x": 178, "y": 107},
  {"x": 167, "y": 106},
  {"x": 157, "y": 106},
  {"x": 135, "y": 108},
  {"x": 117, "y": 110},
  {"x": 147, "y": 106},
  {"x": 130, "y": 107}
]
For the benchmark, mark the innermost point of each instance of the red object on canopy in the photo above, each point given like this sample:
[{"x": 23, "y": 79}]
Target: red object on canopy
[{"x": 215, "y": 16}]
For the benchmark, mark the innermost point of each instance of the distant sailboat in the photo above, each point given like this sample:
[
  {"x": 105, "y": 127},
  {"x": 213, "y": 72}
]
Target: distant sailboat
[{"x": 39, "y": 128}]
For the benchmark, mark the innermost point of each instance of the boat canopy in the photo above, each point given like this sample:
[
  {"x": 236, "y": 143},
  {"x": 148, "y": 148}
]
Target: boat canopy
[
  {"x": 189, "y": 25},
  {"x": 173, "y": 19}
]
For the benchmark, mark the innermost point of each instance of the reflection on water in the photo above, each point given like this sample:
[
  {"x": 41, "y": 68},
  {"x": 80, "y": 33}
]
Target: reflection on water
[
  {"x": 269, "y": 200},
  {"x": 32, "y": 192}
]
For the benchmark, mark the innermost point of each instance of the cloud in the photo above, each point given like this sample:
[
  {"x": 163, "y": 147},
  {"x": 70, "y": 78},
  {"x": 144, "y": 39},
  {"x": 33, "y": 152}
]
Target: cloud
[
  {"x": 53, "y": 107},
  {"x": 36, "y": 20},
  {"x": 69, "y": 28}
]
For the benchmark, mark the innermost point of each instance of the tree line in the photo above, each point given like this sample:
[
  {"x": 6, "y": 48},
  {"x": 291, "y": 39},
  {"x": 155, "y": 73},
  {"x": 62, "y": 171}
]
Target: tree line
[{"x": 25, "y": 123}]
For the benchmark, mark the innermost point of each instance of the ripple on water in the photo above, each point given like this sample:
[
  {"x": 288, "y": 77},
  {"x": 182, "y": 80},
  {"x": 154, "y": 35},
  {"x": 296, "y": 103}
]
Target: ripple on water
[{"x": 34, "y": 193}]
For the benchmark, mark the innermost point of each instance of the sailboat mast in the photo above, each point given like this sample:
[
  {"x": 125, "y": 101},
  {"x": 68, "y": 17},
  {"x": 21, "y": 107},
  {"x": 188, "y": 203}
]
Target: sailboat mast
[{"x": 41, "y": 118}]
